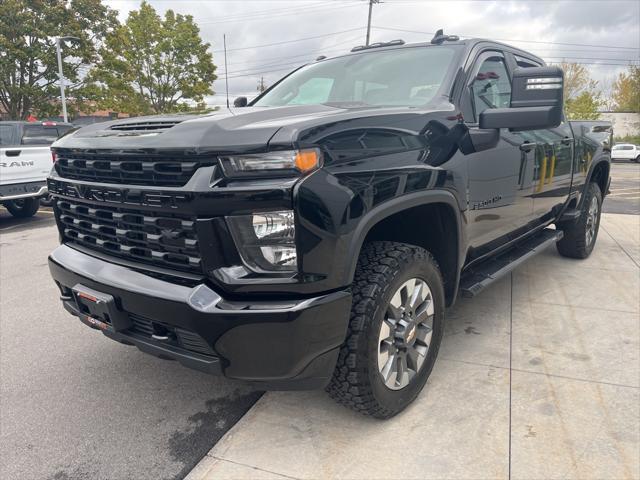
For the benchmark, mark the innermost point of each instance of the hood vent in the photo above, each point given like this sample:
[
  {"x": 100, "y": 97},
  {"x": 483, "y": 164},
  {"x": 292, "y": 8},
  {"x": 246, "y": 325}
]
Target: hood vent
[{"x": 145, "y": 126}]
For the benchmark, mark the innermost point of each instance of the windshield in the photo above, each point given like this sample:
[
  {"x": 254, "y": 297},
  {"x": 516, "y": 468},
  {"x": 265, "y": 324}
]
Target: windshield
[{"x": 398, "y": 77}]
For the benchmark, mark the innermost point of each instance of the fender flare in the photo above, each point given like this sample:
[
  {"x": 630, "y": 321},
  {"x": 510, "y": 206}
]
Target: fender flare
[
  {"x": 595, "y": 164},
  {"x": 397, "y": 205}
]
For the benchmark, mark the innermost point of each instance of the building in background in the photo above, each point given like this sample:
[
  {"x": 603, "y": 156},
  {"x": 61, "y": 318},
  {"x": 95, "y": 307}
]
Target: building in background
[
  {"x": 80, "y": 119},
  {"x": 625, "y": 124}
]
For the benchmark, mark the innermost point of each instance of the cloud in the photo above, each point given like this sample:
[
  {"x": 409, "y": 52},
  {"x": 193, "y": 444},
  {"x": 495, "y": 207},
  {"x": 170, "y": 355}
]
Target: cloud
[{"x": 257, "y": 23}]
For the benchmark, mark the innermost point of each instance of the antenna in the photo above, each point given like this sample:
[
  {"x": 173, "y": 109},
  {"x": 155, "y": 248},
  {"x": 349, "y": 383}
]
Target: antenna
[{"x": 226, "y": 72}]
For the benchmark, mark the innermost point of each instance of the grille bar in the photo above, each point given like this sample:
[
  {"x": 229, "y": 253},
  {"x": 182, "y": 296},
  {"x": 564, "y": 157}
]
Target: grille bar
[
  {"x": 161, "y": 240},
  {"x": 129, "y": 169}
]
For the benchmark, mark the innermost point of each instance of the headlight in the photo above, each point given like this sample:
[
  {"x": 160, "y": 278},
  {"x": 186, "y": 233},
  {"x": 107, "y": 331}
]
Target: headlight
[
  {"x": 266, "y": 241},
  {"x": 278, "y": 163}
]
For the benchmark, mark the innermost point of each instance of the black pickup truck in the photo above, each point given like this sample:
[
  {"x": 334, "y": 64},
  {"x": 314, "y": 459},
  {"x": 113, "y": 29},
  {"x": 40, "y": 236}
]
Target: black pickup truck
[{"x": 314, "y": 237}]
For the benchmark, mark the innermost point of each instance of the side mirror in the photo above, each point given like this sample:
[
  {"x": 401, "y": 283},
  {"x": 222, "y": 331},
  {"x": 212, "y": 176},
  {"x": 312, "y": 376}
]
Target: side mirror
[
  {"x": 240, "y": 102},
  {"x": 536, "y": 101},
  {"x": 478, "y": 140}
]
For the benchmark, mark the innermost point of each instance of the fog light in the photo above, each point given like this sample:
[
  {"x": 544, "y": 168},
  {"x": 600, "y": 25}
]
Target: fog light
[{"x": 265, "y": 241}]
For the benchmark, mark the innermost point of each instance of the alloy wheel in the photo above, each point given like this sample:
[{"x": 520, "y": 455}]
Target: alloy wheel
[
  {"x": 405, "y": 333},
  {"x": 592, "y": 221}
]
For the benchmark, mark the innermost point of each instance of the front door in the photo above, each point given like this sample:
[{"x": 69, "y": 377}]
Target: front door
[{"x": 500, "y": 184}]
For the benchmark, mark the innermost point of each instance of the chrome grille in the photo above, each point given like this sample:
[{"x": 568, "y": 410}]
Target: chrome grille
[
  {"x": 130, "y": 169},
  {"x": 162, "y": 240}
]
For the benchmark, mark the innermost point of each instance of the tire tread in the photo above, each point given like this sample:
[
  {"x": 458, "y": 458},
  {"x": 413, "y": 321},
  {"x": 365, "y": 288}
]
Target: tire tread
[{"x": 377, "y": 265}]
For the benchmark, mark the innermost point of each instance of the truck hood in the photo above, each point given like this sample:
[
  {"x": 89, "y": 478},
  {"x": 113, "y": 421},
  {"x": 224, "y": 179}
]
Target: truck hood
[{"x": 243, "y": 129}]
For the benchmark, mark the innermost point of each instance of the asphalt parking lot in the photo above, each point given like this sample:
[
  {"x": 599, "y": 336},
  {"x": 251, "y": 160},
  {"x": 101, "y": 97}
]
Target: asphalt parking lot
[
  {"x": 625, "y": 189},
  {"x": 75, "y": 405}
]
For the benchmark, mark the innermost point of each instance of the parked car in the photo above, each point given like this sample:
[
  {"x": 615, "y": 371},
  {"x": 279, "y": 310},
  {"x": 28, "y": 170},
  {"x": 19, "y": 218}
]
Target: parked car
[
  {"x": 626, "y": 151},
  {"x": 314, "y": 238},
  {"x": 25, "y": 163}
]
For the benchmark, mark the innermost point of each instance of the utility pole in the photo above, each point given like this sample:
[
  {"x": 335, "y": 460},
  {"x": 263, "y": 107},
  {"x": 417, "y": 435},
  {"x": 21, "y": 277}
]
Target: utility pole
[
  {"x": 261, "y": 86},
  {"x": 371, "y": 2},
  {"x": 226, "y": 70},
  {"x": 61, "y": 75}
]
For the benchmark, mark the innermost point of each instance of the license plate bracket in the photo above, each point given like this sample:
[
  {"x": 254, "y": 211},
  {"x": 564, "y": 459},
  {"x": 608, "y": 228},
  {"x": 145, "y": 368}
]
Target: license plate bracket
[{"x": 99, "y": 310}]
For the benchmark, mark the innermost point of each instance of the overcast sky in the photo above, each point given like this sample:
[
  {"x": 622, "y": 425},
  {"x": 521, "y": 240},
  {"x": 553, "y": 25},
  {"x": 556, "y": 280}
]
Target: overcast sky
[{"x": 270, "y": 37}]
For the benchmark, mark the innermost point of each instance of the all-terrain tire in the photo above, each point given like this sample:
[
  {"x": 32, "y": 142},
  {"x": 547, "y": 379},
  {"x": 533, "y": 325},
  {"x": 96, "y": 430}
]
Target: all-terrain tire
[
  {"x": 23, "y": 208},
  {"x": 382, "y": 269},
  {"x": 576, "y": 243}
]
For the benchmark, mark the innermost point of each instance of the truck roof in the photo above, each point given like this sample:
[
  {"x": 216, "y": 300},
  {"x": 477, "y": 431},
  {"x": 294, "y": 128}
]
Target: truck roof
[{"x": 469, "y": 43}]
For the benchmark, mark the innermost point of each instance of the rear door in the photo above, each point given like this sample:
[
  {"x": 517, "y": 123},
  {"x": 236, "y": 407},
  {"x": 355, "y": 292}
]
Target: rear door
[
  {"x": 552, "y": 162},
  {"x": 500, "y": 179}
]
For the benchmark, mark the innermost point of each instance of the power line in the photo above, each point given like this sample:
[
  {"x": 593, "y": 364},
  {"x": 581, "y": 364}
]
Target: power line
[
  {"x": 513, "y": 39},
  {"x": 289, "y": 41},
  {"x": 594, "y": 58},
  {"x": 260, "y": 12},
  {"x": 303, "y": 59},
  {"x": 296, "y": 11}
]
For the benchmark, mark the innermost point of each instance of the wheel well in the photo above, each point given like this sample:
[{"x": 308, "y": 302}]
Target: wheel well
[
  {"x": 432, "y": 227},
  {"x": 600, "y": 176}
]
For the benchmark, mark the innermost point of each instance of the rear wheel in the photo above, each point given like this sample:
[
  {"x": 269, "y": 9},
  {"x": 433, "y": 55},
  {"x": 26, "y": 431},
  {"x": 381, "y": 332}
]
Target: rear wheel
[
  {"x": 395, "y": 330},
  {"x": 580, "y": 236},
  {"x": 23, "y": 207}
]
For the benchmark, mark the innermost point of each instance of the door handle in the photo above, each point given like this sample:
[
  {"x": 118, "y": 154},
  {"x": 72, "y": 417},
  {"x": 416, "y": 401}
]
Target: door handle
[
  {"x": 567, "y": 141},
  {"x": 527, "y": 146},
  {"x": 13, "y": 153}
]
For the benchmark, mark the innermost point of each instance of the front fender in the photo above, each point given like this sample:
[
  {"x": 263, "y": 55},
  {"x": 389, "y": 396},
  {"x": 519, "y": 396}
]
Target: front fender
[
  {"x": 336, "y": 211},
  {"x": 398, "y": 205}
]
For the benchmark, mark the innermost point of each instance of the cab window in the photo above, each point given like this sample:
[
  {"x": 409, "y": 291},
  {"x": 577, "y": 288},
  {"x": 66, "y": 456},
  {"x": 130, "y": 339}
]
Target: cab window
[
  {"x": 39, "y": 135},
  {"x": 526, "y": 63},
  {"x": 9, "y": 135},
  {"x": 491, "y": 87}
]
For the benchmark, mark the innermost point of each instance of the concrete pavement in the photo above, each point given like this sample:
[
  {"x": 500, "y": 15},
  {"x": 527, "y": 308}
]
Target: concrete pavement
[{"x": 538, "y": 377}]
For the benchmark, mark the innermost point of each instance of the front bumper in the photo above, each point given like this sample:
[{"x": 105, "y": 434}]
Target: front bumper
[{"x": 288, "y": 344}]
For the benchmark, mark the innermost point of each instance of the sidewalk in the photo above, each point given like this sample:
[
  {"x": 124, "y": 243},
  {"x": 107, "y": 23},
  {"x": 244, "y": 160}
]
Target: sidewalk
[{"x": 538, "y": 377}]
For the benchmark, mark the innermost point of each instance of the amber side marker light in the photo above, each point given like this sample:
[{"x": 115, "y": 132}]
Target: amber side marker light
[{"x": 307, "y": 160}]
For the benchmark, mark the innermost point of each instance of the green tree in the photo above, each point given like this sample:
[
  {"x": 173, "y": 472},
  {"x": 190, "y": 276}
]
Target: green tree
[
  {"x": 153, "y": 65},
  {"x": 28, "y": 64},
  {"x": 582, "y": 99},
  {"x": 576, "y": 80},
  {"x": 584, "y": 106},
  {"x": 626, "y": 91}
]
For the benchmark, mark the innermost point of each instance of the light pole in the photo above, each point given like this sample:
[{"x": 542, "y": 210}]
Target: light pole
[{"x": 61, "y": 75}]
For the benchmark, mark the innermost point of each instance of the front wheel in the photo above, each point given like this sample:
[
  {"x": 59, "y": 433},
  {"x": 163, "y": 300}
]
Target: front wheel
[
  {"x": 23, "y": 207},
  {"x": 395, "y": 330},
  {"x": 580, "y": 236}
]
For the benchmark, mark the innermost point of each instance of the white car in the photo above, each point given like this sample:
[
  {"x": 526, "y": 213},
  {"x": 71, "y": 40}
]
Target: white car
[
  {"x": 25, "y": 163},
  {"x": 626, "y": 151}
]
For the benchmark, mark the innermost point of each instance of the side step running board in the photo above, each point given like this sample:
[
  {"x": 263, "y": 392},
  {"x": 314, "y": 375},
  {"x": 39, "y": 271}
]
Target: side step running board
[{"x": 483, "y": 275}]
